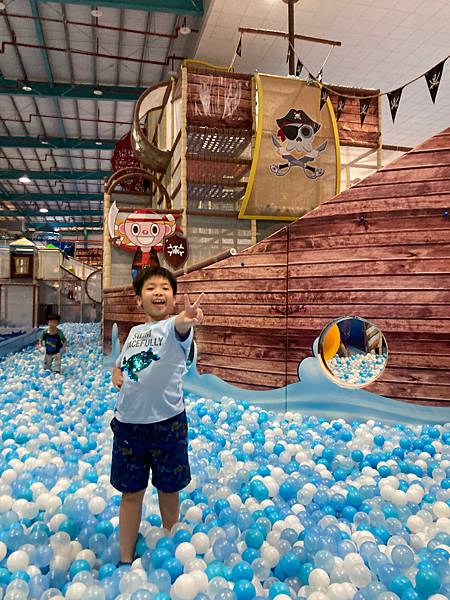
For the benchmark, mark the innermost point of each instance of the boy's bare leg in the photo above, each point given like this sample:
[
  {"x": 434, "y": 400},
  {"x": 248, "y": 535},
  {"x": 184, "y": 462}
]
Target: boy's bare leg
[
  {"x": 129, "y": 520},
  {"x": 57, "y": 361},
  {"x": 169, "y": 506}
]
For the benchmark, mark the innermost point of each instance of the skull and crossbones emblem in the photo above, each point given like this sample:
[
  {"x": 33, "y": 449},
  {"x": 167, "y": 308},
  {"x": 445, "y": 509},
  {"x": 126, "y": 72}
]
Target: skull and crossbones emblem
[{"x": 296, "y": 135}]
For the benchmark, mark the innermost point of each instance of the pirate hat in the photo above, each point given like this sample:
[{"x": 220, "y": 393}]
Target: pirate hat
[{"x": 297, "y": 117}]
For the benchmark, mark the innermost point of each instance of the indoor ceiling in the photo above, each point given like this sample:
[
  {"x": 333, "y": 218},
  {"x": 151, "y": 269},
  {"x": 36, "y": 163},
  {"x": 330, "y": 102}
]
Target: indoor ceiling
[
  {"x": 70, "y": 74},
  {"x": 69, "y": 78},
  {"x": 385, "y": 44}
]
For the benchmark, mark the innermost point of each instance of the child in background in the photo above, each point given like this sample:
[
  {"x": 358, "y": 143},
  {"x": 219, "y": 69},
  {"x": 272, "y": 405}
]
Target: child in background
[
  {"x": 53, "y": 340},
  {"x": 150, "y": 426}
]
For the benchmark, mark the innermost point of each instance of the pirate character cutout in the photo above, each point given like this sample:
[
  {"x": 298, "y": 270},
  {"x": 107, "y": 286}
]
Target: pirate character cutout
[
  {"x": 144, "y": 232},
  {"x": 294, "y": 143}
]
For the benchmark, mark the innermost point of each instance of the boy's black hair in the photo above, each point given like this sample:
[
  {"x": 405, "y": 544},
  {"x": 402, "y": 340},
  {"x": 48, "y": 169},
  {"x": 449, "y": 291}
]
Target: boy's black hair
[
  {"x": 53, "y": 317},
  {"x": 155, "y": 271}
]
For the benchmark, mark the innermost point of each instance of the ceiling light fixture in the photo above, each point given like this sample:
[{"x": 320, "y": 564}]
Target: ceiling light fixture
[
  {"x": 98, "y": 143},
  {"x": 27, "y": 88},
  {"x": 98, "y": 92},
  {"x": 44, "y": 141},
  {"x": 43, "y": 210},
  {"x": 24, "y": 179},
  {"x": 184, "y": 29},
  {"x": 96, "y": 12}
]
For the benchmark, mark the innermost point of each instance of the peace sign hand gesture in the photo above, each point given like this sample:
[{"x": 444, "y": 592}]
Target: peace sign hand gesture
[
  {"x": 193, "y": 314},
  {"x": 190, "y": 316}
]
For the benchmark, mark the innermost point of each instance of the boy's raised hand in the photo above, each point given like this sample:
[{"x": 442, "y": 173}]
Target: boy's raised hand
[{"x": 193, "y": 314}]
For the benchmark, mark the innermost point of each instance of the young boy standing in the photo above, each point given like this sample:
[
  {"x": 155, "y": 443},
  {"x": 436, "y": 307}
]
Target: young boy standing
[
  {"x": 53, "y": 340},
  {"x": 150, "y": 426}
]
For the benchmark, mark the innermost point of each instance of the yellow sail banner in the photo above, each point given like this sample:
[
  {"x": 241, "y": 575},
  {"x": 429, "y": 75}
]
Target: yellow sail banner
[{"x": 296, "y": 163}]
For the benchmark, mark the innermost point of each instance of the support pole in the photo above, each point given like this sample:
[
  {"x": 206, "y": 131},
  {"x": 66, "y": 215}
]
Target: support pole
[
  {"x": 380, "y": 141},
  {"x": 291, "y": 32},
  {"x": 106, "y": 243}
]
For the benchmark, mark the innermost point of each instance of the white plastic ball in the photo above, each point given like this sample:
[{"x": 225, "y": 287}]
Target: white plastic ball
[
  {"x": 130, "y": 582},
  {"x": 270, "y": 555},
  {"x": 88, "y": 556},
  {"x": 185, "y": 552},
  {"x": 201, "y": 542},
  {"x": 194, "y": 514},
  {"x": 441, "y": 509},
  {"x": 318, "y": 579},
  {"x": 76, "y": 591},
  {"x": 6, "y": 503},
  {"x": 18, "y": 561},
  {"x": 200, "y": 580},
  {"x": 185, "y": 588}
]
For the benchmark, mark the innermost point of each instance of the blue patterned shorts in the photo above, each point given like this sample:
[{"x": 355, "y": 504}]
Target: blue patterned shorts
[{"x": 161, "y": 447}]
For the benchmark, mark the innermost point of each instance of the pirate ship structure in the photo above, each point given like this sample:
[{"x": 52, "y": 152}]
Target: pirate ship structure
[
  {"x": 378, "y": 250},
  {"x": 191, "y": 150}
]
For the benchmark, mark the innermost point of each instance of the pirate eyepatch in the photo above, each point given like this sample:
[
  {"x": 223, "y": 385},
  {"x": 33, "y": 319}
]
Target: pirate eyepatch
[{"x": 293, "y": 131}]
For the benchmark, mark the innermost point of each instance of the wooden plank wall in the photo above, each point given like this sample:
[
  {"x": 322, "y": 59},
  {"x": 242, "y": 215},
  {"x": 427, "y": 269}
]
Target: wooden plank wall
[
  {"x": 119, "y": 306},
  {"x": 351, "y": 133},
  {"x": 219, "y": 99},
  {"x": 243, "y": 339}
]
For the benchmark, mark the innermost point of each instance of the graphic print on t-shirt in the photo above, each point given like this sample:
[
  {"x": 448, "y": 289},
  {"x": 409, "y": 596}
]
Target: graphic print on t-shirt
[
  {"x": 53, "y": 343},
  {"x": 137, "y": 362}
]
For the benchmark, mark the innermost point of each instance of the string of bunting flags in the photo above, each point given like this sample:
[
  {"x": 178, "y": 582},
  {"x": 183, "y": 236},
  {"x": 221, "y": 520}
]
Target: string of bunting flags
[{"x": 433, "y": 78}]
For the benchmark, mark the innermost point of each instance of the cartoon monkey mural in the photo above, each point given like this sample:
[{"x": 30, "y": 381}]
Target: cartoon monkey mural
[{"x": 145, "y": 232}]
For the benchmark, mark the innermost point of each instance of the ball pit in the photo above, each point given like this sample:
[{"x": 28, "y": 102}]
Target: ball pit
[
  {"x": 358, "y": 368},
  {"x": 279, "y": 506}
]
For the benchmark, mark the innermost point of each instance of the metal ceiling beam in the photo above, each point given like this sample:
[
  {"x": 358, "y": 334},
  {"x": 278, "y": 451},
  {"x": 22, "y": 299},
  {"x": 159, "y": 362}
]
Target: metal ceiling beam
[
  {"x": 65, "y": 225},
  {"x": 51, "y": 197},
  {"x": 52, "y": 175},
  {"x": 41, "y": 40},
  {"x": 179, "y": 7},
  {"x": 66, "y": 90},
  {"x": 51, "y": 213},
  {"x": 7, "y": 141}
]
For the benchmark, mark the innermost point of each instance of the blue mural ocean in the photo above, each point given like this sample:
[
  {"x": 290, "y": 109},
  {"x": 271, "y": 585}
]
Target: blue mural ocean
[{"x": 313, "y": 394}]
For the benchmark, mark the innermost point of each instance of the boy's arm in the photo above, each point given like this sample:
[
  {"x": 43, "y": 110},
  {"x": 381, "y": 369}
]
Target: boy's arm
[
  {"x": 117, "y": 378},
  {"x": 62, "y": 337},
  {"x": 117, "y": 375},
  {"x": 191, "y": 315}
]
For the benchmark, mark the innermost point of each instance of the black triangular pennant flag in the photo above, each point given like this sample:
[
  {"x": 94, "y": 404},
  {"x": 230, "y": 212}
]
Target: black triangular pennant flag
[
  {"x": 320, "y": 75},
  {"x": 323, "y": 97},
  {"x": 340, "y": 107},
  {"x": 239, "y": 47},
  {"x": 298, "y": 68},
  {"x": 394, "y": 101},
  {"x": 364, "y": 105},
  {"x": 433, "y": 77}
]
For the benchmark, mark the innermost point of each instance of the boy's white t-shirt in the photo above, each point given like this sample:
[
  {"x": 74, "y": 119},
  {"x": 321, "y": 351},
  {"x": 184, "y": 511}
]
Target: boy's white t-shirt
[{"x": 153, "y": 362}]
